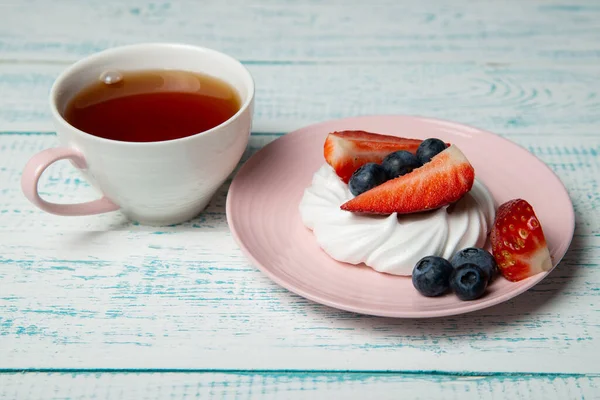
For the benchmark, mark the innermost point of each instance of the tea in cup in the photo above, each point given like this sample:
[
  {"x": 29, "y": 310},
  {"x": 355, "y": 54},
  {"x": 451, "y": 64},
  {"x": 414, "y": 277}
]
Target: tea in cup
[{"x": 156, "y": 128}]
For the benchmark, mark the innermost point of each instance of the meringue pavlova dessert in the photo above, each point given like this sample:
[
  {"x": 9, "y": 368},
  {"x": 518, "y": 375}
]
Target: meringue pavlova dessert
[{"x": 388, "y": 202}]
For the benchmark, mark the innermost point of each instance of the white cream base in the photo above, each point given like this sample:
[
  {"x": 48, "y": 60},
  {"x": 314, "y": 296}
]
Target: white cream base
[{"x": 392, "y": 243}]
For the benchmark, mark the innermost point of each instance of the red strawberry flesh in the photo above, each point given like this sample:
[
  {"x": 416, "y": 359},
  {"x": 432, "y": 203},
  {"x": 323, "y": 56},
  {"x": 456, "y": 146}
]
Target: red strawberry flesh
[
  {"x": 346, "y": 151},
  {"x": 518, "y": 241},
  {"x": 442, "y": 181}
]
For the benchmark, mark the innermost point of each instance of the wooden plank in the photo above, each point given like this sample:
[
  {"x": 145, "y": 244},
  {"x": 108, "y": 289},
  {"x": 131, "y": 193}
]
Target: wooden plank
[
  {"x": 575, "y": 158},
  {"x": 549, "y": 100},
  {"x": 98, "y": 292},
  {"x": 293, "y": 385},
  {"x": 484, "y": 31}
]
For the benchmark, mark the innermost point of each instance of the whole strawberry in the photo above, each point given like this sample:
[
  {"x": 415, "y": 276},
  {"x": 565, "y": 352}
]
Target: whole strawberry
[{"x": 518, "y": 242}]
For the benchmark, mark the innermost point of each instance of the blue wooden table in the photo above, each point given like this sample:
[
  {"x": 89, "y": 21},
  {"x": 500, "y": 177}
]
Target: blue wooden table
[{"x": 96, "y": 307}]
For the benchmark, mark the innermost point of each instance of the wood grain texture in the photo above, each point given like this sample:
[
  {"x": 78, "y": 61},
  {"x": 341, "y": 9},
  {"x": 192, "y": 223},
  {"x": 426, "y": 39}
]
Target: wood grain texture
[
  {"x": 291, "y": 386},
  {"x": 543, "y": 31},
  {"x": 99, "y": 290},
  {"x": 555, "y": 100}
]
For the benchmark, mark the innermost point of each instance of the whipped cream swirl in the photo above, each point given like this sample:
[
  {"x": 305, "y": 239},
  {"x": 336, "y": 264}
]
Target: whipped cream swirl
[{"x": 392, "y": 243}]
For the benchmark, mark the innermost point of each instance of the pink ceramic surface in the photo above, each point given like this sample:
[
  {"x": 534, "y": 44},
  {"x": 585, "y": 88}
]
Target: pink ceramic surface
[
  {"x": 262, "y": 211},
  {"x": 35, "y": 168}
]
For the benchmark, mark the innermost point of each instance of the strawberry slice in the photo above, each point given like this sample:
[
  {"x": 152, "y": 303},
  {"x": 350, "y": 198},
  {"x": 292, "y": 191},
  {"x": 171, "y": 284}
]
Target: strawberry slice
[
  {"x": 518, "y": 241},
  {"x": 346, "y": 151},
  {"x": 443, "y": 180}
]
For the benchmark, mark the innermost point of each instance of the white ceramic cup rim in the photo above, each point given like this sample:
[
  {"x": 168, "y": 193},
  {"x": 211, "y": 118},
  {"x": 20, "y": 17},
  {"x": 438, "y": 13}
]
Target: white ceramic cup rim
[{"x": 64, "y": 77}]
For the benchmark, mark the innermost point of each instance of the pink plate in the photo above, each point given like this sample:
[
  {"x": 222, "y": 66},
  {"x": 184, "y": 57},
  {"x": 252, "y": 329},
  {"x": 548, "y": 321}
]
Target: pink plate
[{"x": 262, "y": 211}]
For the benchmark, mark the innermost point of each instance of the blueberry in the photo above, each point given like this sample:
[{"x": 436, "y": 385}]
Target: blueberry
[
  {"x": 429, "y": 148},
  {"x": 479, "y": 257},
  {"x": 431, "y": 276},
  {"x": 468, "y": 281},
  {"x": 400, "y": 163},
  {"x": 366, "y": 177}
]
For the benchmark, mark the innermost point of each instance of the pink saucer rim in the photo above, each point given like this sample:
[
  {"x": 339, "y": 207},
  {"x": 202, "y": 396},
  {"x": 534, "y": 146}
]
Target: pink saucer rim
[{"x": 530, "y": 282}]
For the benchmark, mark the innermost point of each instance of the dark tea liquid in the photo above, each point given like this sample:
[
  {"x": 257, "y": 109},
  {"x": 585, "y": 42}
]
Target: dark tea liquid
[{"x": 152, "y": 106}]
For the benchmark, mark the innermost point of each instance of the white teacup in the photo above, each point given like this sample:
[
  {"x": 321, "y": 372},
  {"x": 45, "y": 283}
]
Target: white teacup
[{"x": 154, "y": 183}]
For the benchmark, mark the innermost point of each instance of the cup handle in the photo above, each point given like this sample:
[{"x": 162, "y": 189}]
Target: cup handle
[{"x": 38, "y": 164}]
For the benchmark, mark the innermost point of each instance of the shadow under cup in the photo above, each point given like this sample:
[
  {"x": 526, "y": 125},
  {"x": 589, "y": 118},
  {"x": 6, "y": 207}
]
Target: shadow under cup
[{"x": 154, "y": 183}]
